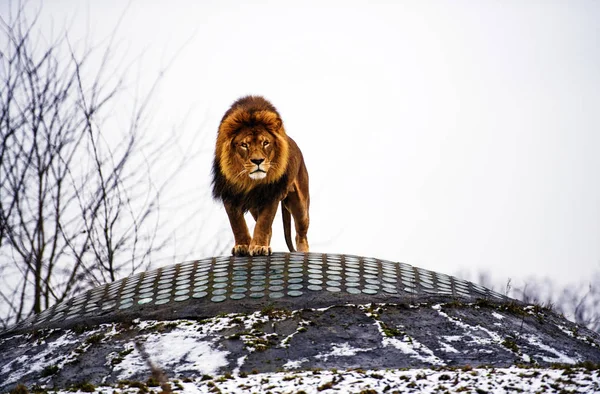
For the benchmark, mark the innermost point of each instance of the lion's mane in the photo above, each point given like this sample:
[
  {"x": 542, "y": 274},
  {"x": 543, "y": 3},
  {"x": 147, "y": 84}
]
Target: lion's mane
[{"x": 249, "y": 112}]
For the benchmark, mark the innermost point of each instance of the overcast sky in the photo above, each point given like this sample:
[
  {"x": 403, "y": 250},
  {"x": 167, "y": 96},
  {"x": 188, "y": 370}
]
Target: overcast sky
[{"x": 451, "y": 135}]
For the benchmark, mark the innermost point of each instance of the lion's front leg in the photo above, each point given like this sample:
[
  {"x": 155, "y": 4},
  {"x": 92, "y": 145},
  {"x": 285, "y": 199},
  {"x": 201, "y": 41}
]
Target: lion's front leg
[
  {"x": 240, "y": 230},
  {"x": 260, "y": 245}
]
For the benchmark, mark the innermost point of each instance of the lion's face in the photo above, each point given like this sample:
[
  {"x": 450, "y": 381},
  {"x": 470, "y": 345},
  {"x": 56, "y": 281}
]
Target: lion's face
[
  {"x": 252, "y": 147},
  {"x": 254, "y": 151}
]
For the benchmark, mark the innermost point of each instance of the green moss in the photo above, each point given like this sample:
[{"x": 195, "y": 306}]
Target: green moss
[
  {"x": 537, "y": 308},
  {"x": 484, "y": 303},
  {"x": 94, "y": 339},
  {"x": 178, "y": 385},
  {"x": 132, "y": 383},
  {"x": 589, "y": 365},
  {"x": 259, "y": 344},
  {"x": 80, "y": 329},
  {"x": 118, "y": 359},
  {"x": 325, "y": 386},
  {"x": 275, "y": 313},
  {"x": 49, "y": 370},
  {"x": 454, "y": 304},
  {"x": 19, "y": 389},
  {"x": 510, "y": 344},
  {"x": 225, "y": 377},
  {"x": 38, "y": 389},
  {"x": 86, "y": 387},
  {"x": 513, "y": 308},
  {"x": 390, "y": 331},
  {"x": 152, "y": 382},
  {"x": 161, "y": 327},
  {"x": 125, "y": 352},
  {"x": 569, "y": 368}
]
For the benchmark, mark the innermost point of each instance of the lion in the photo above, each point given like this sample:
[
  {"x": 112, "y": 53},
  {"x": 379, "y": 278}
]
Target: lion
[{"x": 256, "y": 166}]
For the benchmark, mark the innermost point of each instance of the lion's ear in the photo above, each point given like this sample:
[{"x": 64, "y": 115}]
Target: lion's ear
[
  {"x": 270, "y": 119},
  {"x": 276, "y": 125}
]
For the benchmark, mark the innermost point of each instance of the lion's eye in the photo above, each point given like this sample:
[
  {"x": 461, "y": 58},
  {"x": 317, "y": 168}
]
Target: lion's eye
[
  {"x": 244, "y": 145},
  {"x": 265, "y": 143}
]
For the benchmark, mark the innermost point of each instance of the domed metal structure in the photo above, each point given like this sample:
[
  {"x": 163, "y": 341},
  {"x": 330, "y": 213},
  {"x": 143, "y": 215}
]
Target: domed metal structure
[{"x": 208, "y": 287}]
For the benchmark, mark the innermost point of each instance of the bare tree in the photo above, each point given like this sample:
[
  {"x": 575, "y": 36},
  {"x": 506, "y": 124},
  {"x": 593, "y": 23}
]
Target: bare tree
[
  {"x": 580, "y": 304},
  {"x": 77, "y": 207}
]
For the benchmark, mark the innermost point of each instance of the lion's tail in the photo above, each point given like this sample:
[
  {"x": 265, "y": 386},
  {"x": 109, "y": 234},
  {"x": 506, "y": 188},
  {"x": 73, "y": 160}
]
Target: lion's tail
[{"x": 287, "y": 227}]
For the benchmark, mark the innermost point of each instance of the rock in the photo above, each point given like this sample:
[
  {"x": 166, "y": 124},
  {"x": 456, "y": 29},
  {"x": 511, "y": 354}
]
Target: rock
[{"x": 283, "y": 312}]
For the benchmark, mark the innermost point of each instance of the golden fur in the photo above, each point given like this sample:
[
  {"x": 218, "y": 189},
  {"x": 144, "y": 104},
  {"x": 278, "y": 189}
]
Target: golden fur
[{"x": 256, "y": 166}]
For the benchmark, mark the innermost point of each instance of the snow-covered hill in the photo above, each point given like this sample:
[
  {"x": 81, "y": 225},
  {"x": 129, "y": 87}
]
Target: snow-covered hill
[{"x": 429, "y": 334}]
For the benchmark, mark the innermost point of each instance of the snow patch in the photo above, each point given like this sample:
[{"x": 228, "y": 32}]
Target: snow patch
[
  {"x": 452, "y": 338},
  {"x": 446, "y": 347},
  {"x": 406, "y": 345},
  {"x": 295, "y": 364},
  {"x": 493, "y": 337},
  {"x": 496, "y": 380},
  {"x": 181, "y": 349},
  {"x": 414, "y": 349},
  {"x": 341, "y": 350},
  {"x": 285, "y": 342},
  {"x": 560, "y": 358},
  {"x": 51, "y": 353},
  {"x": 497, "y": 315},
  {"x": 240, "y": 363}
]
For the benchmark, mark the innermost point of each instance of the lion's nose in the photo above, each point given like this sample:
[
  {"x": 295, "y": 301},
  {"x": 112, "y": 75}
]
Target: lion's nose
[{"x": 257, "y": 161}]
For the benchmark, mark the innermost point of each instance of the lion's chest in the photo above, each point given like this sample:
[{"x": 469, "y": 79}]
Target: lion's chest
[{"x": 254, "y": 198}]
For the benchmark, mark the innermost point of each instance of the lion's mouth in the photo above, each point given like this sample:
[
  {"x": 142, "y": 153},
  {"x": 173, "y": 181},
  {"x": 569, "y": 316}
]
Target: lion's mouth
[{"x": 258, "y": 174}]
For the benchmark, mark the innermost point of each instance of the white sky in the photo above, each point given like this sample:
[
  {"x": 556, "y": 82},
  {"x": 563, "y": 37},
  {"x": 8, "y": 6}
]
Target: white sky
[{"x": 451, "y": 135}]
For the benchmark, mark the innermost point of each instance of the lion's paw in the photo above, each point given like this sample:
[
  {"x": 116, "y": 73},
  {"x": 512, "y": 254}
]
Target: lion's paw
[
  {"x": 240, "y": 250},
  {"x": 258, "y": 250},
  {"x": 302, "y": 244}
]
